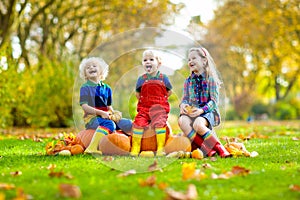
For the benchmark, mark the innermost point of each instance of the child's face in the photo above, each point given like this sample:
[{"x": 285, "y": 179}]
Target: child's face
[
  {"x": 92, "y": 72},
  {"x": 196, "y": 62},
  {"x": 150, "y": 64}
]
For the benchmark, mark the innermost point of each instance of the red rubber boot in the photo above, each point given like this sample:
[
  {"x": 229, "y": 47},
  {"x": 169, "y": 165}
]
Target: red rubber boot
[
  {"x": 212, "y": 143},
  {"x": 197, "y": 143}
]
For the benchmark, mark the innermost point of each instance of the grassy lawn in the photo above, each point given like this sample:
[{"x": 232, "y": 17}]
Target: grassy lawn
[{"x": 26, "y": 172}]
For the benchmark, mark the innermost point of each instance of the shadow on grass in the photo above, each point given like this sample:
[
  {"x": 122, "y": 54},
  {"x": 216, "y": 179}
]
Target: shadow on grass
[{"x": 120, "y": 163}]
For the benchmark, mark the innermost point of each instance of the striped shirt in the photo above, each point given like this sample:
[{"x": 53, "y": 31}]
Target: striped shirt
[{"x": 97, "y": 95}]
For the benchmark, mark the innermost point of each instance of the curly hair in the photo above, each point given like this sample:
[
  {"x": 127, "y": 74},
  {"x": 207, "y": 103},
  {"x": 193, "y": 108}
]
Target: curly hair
[{"x": 99, "y": 62}]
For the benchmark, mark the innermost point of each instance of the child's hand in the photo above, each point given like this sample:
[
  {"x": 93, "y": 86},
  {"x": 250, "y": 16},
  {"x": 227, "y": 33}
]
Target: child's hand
[
  {"x": 105, "y": 115},
  {"x": 183, "y": 108},
  {"x": 196, "y": 112}
]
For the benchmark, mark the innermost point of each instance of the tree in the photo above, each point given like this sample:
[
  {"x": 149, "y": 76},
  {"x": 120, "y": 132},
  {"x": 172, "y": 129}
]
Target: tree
[
  {"x": 42, "y": 42},
  {"x": 255, "y": 44}
]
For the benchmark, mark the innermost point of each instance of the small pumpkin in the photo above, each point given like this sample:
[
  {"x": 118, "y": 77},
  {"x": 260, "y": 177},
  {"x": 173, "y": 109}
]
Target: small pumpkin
[
  {"x": 197, "y": 154},
  {"x": 76, "y": 149}
]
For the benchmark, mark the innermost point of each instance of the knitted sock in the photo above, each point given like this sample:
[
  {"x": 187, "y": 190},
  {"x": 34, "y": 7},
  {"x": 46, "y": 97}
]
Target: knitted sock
[
  {"x": 93, "y": 146},
  {"x": 136, "y": 141},
  {"x": 192, "y": 135},
  {"x": 160, "y": 139},
  {"x": 206, "y": 135}
]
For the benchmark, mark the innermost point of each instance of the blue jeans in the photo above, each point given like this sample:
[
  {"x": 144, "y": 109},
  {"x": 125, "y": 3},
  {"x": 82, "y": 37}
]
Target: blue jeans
[
  {"x": 124, "y": 124},
  {"x": 99, "y": 121}
]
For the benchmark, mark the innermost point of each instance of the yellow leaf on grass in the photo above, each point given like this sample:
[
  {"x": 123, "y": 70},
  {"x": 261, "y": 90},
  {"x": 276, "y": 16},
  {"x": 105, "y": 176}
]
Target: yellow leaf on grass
[
  {"x": 188, "y": 170},
  {"x": 7, "y": 186}
]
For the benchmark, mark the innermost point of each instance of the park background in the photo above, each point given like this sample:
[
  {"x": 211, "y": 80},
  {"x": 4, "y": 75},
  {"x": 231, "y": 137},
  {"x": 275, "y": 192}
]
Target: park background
[{"x": 255, "y": 45}]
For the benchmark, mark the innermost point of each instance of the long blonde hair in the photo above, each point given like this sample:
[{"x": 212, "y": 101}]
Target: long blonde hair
[{"x": 210, "y": 67}]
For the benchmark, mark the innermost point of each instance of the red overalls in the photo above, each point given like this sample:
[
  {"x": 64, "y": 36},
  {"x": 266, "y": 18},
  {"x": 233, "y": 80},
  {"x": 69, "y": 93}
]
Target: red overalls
[{"x": 153, "y": 106}]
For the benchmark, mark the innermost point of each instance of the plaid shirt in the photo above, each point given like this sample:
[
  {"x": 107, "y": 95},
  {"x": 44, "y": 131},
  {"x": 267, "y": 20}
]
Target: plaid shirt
[{"x": 200, "y": 92}]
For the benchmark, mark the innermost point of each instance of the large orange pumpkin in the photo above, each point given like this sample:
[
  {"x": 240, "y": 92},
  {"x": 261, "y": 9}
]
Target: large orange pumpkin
[
  {"x": 177, "y": 143},
  {"x": 112, "y": 144},
  {"x": 86, "y": 136},
  {"x": 149, "y": 139},
  {"x": 115, "y": 144}
]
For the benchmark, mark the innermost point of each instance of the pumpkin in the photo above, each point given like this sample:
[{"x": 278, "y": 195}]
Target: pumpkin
[
  {"x": 177, "y": 143},
  {"x": 85, "y": 137},
  {"x": 197, "y": 154},
  {"x": 115, "y": 144},
  {"x": 76, "y": 149},
  {"x": 148, "y": 142}
]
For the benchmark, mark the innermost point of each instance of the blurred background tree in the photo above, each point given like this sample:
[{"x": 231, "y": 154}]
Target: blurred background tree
[
  {"x": 254, "y": 43},
  {"x": 256, "y": 46},
  {"x": 42, "y": 43}
]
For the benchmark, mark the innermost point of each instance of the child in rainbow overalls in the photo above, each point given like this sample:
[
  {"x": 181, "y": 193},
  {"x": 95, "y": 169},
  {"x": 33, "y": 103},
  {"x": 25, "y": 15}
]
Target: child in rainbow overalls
[{"x": 152, "y": 90}]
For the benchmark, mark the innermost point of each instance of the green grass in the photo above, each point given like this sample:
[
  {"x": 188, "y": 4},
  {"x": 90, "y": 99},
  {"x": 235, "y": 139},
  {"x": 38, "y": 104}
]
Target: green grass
[{"x": 271, "y": 173}]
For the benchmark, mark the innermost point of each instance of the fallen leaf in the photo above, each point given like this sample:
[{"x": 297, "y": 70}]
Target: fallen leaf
[
  {"x": 206, "y": 166},
  {"x": 225, "y": 175},
  {"x": 295, "y": 188},
  {"x": 108, "y": 158},
  {"x": 7, "y": 186},
  {"x": 188, "y": 170},
  {"x": 214, "y": 176},
  {"x": 127, "y": 173},
  {"x": 189, "y": 195},
  {"x": 150, "y": 181},
  {"x": 154, "y": 167},
  {"x": 162, "y": 186},
  {"x": 237, "y": 170},
  {"x": 2, "y": 195},
  {"x": 56, "y": 174},
  {"x": 51, "y": 167},
  {"x": 21, "y": 195},
  {"x": 37, "y": 139},
  {"x": 68, "y": 190},
  {"x": 16, "y": 173},
  {"x": 174, "y": 195},
  {"x": 69, "y": 176},
  {"x": 192, "y": 192},
  {"x": 213, "y": 159}
]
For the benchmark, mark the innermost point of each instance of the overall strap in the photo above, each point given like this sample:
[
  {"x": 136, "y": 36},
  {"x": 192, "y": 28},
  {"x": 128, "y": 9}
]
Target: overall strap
[
  {"x": 145, "y": 77},
  {"x": 161, "y": 76}
]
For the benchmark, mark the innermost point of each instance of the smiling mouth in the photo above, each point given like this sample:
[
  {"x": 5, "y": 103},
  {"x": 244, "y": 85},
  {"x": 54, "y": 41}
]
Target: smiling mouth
[
  {"x": 93, "y": 71},
  {"x": 148, "y": 67}
]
